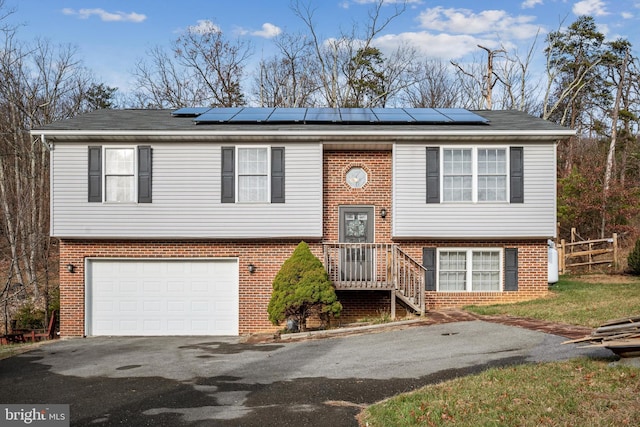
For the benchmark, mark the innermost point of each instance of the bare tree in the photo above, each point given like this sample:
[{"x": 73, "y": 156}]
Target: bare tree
[
  {"x": 518, "y": 91},
  {"x": 469, "y": 81},
  {"x": 162, "y": 83},
  {"x": 39, "y": 83},
  {"x": 288, "y": 79},
  {"x": 619, "y": 77},
  {"x": 485, "y": 79},
  {"x": 216, "y": 61},
  {"x": 433, "y": 86},
  {"x": 203, "y": 68},
  {"x": 334, "y": 56}
]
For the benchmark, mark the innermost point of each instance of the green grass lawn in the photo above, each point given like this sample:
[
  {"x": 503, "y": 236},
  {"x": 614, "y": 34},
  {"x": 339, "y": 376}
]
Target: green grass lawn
[
  {"x": 576, "y": 393},
  {"x": 580, "y": 392},
  {"x": 578, "y": 301}
]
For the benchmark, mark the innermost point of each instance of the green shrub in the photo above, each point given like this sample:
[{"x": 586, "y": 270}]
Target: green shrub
[
  {"x": 633, "y": 260},
  {"x": 302, "y": 288},
  {"x": 30, "y": 317}
]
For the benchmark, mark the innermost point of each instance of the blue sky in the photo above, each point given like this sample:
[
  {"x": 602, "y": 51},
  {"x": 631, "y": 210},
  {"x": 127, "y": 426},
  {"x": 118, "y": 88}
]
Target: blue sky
[{"x": 111, "y": 35}]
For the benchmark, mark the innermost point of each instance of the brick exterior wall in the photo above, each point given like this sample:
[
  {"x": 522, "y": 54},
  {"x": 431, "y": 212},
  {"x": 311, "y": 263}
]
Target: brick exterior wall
[
  {"x": 532, "y": 272},
  {"x": 376, "y": 192},
  {"x": 255, "y": 289},
  {"x": 268, "y": 256}
]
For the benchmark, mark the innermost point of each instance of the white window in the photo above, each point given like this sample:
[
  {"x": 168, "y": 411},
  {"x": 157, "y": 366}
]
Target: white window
[
  {"x": 474, "y": 175},
  {"x": 492, "y": 175},
  {"x": 469, "y": 270},
  {"x": 453, "y": 271},
  {"x": 457, "y": 176},
  {"x": 253, "y": 174},
  {"x": 120, "y": 175}
]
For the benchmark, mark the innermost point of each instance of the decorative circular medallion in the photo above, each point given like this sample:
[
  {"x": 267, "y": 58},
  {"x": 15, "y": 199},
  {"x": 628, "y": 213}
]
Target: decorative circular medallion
[{"x": 356, "y": 177}]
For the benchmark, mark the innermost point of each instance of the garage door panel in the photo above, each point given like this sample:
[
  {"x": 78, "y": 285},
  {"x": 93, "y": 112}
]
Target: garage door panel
[
  {"x": 175, "y": 307},
  {"x": 126, "y": 287},
  {"x": 126, "y": 307},
  {"x": 175, "y": 286},
  {"x": 149, "y": 286},
  {"x": 162, "y": 297},
  {"x": 126, "y": 326},
  {"x": 201, "y": 287}
]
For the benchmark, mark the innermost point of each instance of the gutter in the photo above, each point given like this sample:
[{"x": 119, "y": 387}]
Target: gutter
[
  {"x": 328, "y": 136},
  {"x": 547, "y": 133}
]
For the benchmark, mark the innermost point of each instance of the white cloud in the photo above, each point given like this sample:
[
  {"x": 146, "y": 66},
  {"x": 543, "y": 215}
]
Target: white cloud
[
  {"x": 590, "y": 7},
  {"x": 627, "y": 15},
  {"x": 530, "y": 4},
  {"x": 268, "y": 31},
  {"x": 106, "y": 16},
  {"x": 444, "y": 46},
  {"x": 387, "y": 1},
  {"x": 204, "y": 26},
  {"x": 488, "y": 22},
  {"x": 346, "y": 4}
]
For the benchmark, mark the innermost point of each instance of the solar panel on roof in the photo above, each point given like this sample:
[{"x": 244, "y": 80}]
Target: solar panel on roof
[
  {"x": 427, "y": 115},
  {"x": 357, "y": 115},
  {"x": 322, "y": 115},
  {"x": 204, "y": 115},
  {"x": 287, "y": 115},
  {"x": 392, "y": 115},
  {"x": 252, "y": 115},
  {"x": 460, "y": 115},
  {"x": 190, "y": 111},
  {"x": 217, "y": 115}
]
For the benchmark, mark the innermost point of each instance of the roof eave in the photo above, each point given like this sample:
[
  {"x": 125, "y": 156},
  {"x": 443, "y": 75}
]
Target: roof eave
[{"x": 315, "y": 135}]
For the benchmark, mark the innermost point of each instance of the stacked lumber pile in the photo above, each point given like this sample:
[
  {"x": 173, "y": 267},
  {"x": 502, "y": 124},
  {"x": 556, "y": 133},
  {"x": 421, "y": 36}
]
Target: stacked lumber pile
[{"x": 622, "y": 336}]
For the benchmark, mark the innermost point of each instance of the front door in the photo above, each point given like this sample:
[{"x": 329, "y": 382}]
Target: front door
[{"x": 357, "y": 253}]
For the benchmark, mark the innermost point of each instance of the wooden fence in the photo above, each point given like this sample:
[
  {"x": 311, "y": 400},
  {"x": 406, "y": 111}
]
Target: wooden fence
[{"x": 587, "y": 253}]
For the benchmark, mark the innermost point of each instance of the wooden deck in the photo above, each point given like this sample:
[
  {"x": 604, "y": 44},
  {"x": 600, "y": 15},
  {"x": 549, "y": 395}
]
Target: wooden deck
[{"x": 376, "y": 266}]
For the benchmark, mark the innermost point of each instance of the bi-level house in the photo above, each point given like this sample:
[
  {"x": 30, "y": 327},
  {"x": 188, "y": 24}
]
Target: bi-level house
[{"x": 176, "y": 222}]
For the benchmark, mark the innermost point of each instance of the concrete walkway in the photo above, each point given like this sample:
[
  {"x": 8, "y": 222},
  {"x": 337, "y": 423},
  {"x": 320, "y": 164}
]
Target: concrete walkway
[{"x": 435, "y": 317}]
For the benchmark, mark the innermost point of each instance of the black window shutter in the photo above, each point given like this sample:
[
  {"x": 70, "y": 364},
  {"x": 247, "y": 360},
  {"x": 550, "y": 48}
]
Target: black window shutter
[
  {"x": 429, "y": 263},
  {"x": 228, "y": 175},
  {"x": 277, "y": 174},
  {"x": 95, "y": 174},
  {"x": 511, "y": 269},
  {"x": 433, "y": 175},
  {"x": 144, "y": 174},
  {"x": 516, "y": 174}
]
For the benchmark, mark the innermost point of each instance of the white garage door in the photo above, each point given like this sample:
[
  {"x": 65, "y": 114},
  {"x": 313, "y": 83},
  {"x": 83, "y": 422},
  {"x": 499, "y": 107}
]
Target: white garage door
[{"x": 163, "y": 297}]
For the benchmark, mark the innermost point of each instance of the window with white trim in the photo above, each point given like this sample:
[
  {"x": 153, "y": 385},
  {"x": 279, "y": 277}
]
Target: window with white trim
[
  {"x": 474, "y": 174},
  {"x": 120, "y": 175},
  {"x": 469, "y": 270},
  {"x": 253, "y": 174},
  {"x": 492, "y": 175}
]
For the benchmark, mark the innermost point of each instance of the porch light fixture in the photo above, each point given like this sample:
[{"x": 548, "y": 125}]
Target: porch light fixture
[
  {"x": 71, "y": 268},
  {"x": 252, "y": 268},
  {"x": 383, "y": 213}
]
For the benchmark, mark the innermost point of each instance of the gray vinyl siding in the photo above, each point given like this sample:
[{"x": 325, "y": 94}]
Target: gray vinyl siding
[
  {"x": 186, "y": 198},
  {"x": 535, "y": 218}
]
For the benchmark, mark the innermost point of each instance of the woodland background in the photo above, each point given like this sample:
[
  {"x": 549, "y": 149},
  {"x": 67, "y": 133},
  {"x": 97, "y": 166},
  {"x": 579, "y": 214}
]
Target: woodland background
[{"x": 588, "y": 84}]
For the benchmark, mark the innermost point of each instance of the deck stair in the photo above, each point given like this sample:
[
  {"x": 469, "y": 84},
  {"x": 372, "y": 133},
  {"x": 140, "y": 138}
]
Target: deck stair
[{"x": 377, "y": 266}]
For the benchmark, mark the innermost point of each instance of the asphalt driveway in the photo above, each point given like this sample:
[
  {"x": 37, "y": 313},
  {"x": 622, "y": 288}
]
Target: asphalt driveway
[{"x": 222, "y": 381}]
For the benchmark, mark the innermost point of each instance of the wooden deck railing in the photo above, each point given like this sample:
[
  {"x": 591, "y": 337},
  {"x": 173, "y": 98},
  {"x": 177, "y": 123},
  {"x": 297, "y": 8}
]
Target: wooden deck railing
[
  {"x": 376, "y": 266},
  {"x": 410, "y": 280}
]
